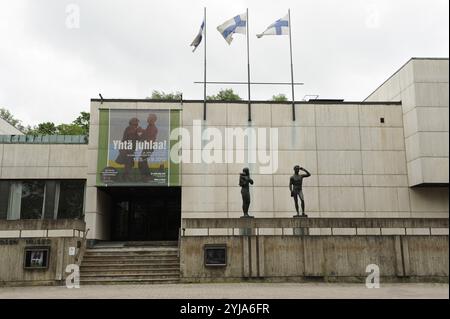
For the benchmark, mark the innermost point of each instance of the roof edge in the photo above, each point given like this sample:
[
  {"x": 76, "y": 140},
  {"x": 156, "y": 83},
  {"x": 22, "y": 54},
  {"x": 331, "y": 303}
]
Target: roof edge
[
  {"x": 245, "y": 102},
  {"x": 400, "y": 68}
]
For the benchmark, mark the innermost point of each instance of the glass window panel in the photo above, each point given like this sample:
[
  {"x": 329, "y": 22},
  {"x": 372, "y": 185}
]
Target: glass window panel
[
  {"x": 15, "y": 196},
  {"x": 71, "y": 198},
  {"x": 50, "y": 192},
  {"x": 4, "y": 199},
  {"x": 32, "y": 202}
]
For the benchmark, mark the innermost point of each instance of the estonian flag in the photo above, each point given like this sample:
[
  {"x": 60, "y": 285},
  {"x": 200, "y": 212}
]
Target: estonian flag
[
  {"x": 199, "y": 37},
  {"x": 279, "y": 27},
  {"x": 236, "y": 25}
]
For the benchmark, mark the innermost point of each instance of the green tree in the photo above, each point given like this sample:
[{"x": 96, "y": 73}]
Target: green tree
[
  {"x": 224, "y": 95},
  {"x": 82, "y": 122},
  {"x": 70, "y": 129},
  {"x": 279, "y": 98},
  {"x": 160, "y": 95},
  {"x": 45, "y": 128}
]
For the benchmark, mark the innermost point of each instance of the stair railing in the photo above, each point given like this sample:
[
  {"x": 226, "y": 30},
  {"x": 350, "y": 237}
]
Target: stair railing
[{"x": 82, "y": 249}]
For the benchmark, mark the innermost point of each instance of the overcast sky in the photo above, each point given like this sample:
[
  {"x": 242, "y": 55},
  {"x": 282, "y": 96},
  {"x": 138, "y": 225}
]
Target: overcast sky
[{"x": 52, "y": 64}]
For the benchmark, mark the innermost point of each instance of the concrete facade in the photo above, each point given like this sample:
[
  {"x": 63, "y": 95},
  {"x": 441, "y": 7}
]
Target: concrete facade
[
  {"x": 422, "y": 86},
  {"x": 358, "y": 164},
  {"x": 43, "y": 161}
]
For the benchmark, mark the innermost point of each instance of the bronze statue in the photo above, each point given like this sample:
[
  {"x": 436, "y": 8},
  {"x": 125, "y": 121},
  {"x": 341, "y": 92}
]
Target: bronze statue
[
  {"x": 295, "y": 186},
  {"x": 244, "y": 182}
]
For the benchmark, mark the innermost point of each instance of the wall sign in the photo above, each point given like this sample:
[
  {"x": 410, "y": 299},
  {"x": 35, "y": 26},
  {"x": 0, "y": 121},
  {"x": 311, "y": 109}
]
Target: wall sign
[
  {"x": 215, "y": 255},
  {"x": 36, "y": 257}
]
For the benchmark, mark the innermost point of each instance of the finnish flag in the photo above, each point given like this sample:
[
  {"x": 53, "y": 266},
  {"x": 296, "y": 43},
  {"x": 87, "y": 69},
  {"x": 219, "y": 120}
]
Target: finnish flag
[
  {"x": 279, "y": 27},
  {"x": 199, "y": 37},
  {"x": 236, "y": 25}
]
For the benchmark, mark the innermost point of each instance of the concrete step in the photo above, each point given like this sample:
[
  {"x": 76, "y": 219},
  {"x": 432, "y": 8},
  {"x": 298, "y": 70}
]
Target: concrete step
[
  {"x": 134, "y": 274},
  {"x": 131, "y": 255},
  {"x": 129, "y": 258},
  {"x": 130, "y": 282},
  {"x": 87, "y": 261},
  {"x": 128, "y": 267},
  {"x": 132, "y": 265},
  {"x": 129, "y": 278},
  {"x": 158, "y": 272},
  {"x": 135, "y": 244},
  {"x": 131, "y": 249}
]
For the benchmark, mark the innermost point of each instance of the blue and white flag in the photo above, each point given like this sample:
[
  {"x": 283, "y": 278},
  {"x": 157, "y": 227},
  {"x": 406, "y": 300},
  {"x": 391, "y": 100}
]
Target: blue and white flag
[
  {"x": 199, "y": 37},
  {"x": 236, "y": 25},
  {"x": 279, "y": 27}
]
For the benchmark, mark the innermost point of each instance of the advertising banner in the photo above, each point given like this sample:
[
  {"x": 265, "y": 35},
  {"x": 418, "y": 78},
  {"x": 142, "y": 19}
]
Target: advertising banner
[{"x": 134, "y": 148}]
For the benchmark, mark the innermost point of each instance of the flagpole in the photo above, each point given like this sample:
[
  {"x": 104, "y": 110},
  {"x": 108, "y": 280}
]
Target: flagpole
[
  {"x": 204, "y": 66},
  {"x": 292, "y": 66},
  {"x": 248, "y": 73}
]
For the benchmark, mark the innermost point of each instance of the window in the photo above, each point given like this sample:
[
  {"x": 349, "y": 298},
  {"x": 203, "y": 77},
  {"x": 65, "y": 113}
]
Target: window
[
  {"x": 71, "y": 198},
  {"x": 41, "y": 199},
  {"x": 32, "y": 201},
  {"x": 4, "y": 199}
]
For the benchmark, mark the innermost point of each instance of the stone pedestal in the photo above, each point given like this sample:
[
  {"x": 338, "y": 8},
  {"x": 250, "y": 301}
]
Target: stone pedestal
[
  {"x": 300, "y": 231},
  {"x": 247, "y": 231}
]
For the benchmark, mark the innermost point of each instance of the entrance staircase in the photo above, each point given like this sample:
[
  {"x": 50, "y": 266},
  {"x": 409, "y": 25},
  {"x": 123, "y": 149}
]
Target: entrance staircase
[{"x": 131, "y": 263}]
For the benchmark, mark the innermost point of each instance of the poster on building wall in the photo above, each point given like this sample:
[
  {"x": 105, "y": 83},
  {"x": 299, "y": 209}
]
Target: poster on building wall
[{"x": 134, "y": 148}]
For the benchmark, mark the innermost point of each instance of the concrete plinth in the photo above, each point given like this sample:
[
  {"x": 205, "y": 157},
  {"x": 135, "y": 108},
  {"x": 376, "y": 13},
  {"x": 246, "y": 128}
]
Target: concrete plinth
[
  {"x": 247, "y": 231},
  {"x": 300, "y": 231}
]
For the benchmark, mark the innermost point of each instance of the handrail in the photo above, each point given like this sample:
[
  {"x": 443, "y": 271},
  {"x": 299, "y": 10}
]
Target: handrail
[{"x": 82, "y": 250}]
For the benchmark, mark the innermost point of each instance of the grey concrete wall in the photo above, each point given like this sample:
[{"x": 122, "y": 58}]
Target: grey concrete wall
[
  {"x": 358, "y": 164},
  {"x": 43, "y": 161},
  {"x": 322, "y": 257},
  {"x": 422, "y": 86},
  {"x": 12, "y": 262}
]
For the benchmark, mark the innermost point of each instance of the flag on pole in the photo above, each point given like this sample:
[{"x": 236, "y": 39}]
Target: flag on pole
[
  {"x": 238, "y": 24},
  {"x": 198, "y": 38},
  {"x": 279, "y": 27}
]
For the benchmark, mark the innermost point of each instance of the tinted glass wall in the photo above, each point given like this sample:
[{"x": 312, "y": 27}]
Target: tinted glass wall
[{"x": 41, "y": 199}]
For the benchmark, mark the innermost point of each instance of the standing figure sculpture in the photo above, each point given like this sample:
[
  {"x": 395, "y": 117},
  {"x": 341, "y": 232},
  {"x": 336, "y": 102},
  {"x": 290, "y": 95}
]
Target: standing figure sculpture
[
  {"x": 295, "y": 186},
  {"x": 244, "y": 182}
]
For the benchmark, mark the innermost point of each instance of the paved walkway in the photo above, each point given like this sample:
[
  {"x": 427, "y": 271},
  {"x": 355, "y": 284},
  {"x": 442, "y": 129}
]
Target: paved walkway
[{"x": 233, "y": 291}]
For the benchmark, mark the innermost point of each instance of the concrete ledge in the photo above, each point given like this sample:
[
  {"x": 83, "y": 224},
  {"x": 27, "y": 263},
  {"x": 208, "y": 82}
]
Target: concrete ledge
[
  {"x": 324, "y": 279},
  {"x": 189, "y": 223},
  {"x": 9, "y": 233},
  {"x": 42, "y": 224}
]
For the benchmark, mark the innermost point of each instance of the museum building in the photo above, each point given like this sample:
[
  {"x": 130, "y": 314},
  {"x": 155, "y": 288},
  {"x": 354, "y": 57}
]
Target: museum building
[{"x": 153, "y": 194}]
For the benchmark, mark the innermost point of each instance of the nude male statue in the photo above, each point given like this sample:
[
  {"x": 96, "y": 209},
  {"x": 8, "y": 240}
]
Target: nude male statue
[
  {"x": 295, "y": 186},
  {"x": 244, "y": 182}
]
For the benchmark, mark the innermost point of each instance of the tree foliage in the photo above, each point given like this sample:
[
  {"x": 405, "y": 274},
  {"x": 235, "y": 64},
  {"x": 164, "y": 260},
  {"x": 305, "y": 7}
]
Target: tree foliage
[
  {"x": 80, "y": 126},
  {"x": 279, "y": 98},
  {"x": 161, "y": 95},
  {"x": 82, "y": 122},
  {"x": 224, "y": 95}
]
